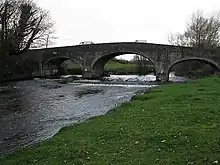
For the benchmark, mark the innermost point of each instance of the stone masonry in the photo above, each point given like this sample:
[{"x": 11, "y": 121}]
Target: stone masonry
[{"x": 93, "y": 57}]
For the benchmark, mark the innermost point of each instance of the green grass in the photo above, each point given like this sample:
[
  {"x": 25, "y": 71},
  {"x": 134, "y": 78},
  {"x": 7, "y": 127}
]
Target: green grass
[
  {"x": 115, "y": 65},
  {"x": 174, "y": 124},
  {"x": 111, "y": 66}
]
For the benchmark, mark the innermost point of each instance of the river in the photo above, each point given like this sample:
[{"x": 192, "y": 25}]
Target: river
[{"x": 35, "y": 110}]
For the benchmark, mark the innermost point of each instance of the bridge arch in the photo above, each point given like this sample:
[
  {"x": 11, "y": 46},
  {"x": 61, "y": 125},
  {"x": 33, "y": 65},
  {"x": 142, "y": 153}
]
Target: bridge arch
[
  {"x": 206, "y": 60},
  {"x": 57, "y": 61},
  {"x": 97, "y": 66}
]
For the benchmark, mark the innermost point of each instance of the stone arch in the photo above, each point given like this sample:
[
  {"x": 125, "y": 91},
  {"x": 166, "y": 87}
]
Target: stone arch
[
  {"x": 208, "y": 61},
  {"x": 98, "y": 63},
  {"x": 58, "y": 60}
]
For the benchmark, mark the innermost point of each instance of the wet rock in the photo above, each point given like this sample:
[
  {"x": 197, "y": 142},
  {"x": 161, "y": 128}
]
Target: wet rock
[
  {"x": 87, "y": 92},
  {"x": 69, "y": 79}
]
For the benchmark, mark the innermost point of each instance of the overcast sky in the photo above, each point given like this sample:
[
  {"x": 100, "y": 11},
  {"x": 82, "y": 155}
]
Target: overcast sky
[{"x": 121, "y": 20}]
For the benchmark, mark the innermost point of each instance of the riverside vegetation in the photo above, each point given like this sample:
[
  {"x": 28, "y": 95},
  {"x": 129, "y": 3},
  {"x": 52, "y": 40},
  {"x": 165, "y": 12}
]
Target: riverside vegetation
[
  {"x": 192, "y": 69},
  {"x": 167, "y": 125},
  {"x": 113, "y": 66}
]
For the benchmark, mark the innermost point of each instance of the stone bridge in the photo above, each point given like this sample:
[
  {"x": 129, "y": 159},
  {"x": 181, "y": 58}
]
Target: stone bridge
[{"x": 93, "y": 57}]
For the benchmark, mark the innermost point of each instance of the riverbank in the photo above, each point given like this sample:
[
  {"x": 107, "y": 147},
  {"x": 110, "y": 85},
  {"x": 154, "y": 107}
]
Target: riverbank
[
  {"x": 170, "y": 124},
  {"x": 15, "y": 79}
]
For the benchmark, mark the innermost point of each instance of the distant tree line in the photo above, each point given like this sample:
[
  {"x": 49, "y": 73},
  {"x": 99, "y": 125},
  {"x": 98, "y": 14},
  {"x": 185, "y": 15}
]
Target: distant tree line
[{"x": 143, "y": 65}]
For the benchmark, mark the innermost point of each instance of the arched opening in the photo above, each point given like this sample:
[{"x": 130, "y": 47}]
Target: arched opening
[
  {"x": 122, "y": 63},
  {"x": 52, "y": 67},
  {"x": 58, "y": 66},
  {"x": 71, "y": 67},
  {"x": 193, "y": 68}
]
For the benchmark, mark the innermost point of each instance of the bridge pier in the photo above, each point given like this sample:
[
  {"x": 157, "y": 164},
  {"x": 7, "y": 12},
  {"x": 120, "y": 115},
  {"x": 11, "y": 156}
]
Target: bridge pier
[
  {"x": 86, "y": 74},
  {"x": 162, "y": 77},
  {"x": 41, "y": 69},
  {"x": 92, "y": 74}
]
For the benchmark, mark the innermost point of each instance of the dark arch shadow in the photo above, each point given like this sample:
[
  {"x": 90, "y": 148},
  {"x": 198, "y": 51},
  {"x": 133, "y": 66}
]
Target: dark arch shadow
[
  {"x": 205, "y": 60},
  {"x": 98, "y": 64},
  {"x": 60, "y": 60},
  {"x": 57, "y": 61}
]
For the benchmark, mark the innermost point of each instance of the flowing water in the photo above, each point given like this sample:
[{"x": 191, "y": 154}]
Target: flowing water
[{"x": 35, "y": 110}]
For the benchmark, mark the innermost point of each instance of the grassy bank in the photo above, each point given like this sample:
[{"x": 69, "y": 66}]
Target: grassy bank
[
  {"x": 174, "y": 124},
  {"x": 118, "y": 65},
  {"x": 114, "y": 66},
  {"x": 125, "y": 67}
]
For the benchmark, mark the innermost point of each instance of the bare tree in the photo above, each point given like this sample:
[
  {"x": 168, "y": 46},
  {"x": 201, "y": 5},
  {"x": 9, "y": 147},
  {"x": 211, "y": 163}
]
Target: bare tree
[
  {"x": 201, "y": 32},
  {"x": 22, "y": 25}
]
